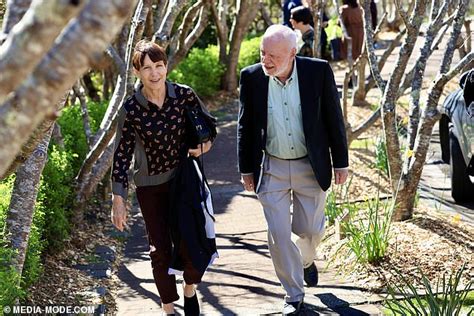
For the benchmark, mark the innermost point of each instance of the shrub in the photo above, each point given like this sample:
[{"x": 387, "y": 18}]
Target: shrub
[
  {"x": 55, "y": 197},
  {"x": 9, "y": 279},
  {"x": 200, "y": 70},
  {"x": 381, "y": 158},
  {"x": 249, "y": 53},
  {"x": 368, "y": 238},
  {"x": 443, "y": 300}
]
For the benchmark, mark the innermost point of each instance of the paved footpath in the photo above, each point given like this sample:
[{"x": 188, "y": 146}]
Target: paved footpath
[{"x": 242, "y": 281}]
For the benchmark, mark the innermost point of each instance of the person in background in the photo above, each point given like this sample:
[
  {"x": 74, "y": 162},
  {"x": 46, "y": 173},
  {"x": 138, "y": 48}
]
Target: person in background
[
  {"x": 302, "y": 21},
  {"x": 290, "y": 136},
  {"x": 301, "y": 18},
  {"x": 351, "y": 17},
  {"x": 373, "y": 13},
  {"x": 286, "y": 9},
  {"x": 151, "y": 131}
]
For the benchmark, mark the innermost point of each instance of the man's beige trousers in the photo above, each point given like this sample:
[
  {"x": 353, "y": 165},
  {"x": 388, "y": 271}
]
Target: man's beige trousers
[{"x": 285, "y": 183}]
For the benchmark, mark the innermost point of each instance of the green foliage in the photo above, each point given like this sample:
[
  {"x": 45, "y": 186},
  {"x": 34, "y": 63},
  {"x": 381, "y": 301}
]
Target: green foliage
[
  {"x": 200, "y": 70},
  {"x": 443, "y": 300},
  {"x": 381, "y": 158},
  {"x": 9, "y": 278},
  {"x": 249, "y": 53},
  {"x": 50, "y": 226},
  {"x": 73, "y": 130},
  {"x": 337, "y": 201},
  {"x": 55, "y": 198},
  {"x": 368, "y": 238}
]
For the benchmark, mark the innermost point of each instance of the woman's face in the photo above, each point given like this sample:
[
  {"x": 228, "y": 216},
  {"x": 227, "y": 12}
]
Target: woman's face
[{"x": 151, "y": 74}]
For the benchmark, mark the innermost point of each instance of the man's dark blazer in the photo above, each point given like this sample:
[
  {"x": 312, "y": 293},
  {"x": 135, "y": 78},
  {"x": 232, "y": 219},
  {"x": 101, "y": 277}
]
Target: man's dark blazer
[{"x": 323, "y": 124}]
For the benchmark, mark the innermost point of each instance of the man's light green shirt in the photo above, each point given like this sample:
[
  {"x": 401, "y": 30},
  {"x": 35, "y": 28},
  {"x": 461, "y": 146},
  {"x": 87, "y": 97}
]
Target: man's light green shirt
[{"x": 285, "y": 136}]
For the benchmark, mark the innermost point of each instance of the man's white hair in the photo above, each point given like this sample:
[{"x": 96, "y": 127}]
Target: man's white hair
[{"x": 282, "y": 33}]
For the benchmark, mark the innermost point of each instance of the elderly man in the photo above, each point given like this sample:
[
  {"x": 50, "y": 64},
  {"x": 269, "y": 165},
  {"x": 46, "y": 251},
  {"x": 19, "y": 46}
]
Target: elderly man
[{"x": 290, "y": 127}]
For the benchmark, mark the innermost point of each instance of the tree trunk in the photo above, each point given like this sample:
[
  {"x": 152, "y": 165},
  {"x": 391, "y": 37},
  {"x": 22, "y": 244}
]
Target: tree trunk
[
  {"x": 36, "y": 31},
  {"x": 35, "y": 98},
  {"x": 359, "y": 93},
  {"x": 91, "y": 91},
  {"x": 79, "y": 92},
  {"x": 391, "y": 94},
  {"x": 22, "y": 204},
  {"x": 246, "y": 12},
  {"x": 184, "y": 39},
  {"x": 412, "y": 172},
  {"x": 14, "y": 12}
]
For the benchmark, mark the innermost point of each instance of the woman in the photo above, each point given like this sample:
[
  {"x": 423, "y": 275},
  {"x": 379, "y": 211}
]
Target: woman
[
  {"x": 152, "y": 129},
  {"x": 351, "y": 16}
]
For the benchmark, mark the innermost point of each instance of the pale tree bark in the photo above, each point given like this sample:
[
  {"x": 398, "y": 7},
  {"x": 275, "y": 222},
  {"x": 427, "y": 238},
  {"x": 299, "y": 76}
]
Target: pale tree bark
[
  {"x": 246, "y": 11},
  {"x": 360, "y": 92},
  {"x": 17, "y": 11},
  {"x": 368, "y": 52},
  {"x": 409, "y": 76},
  {"x": 219, "y": 15},
  {"x": 22, "y": 204},
  {"x": 389, "y": 98},
  {"x": 14, "y": 12},
  {"x": 30, "y": 39},
  {"x": 265, "y": 14},
  {"x": 188, "y": 33},
  {"x": 163, "y": 35},
  {"x": 35, "y": 99},
  {"x": 96, "y": 163},
  {"x": 317, "y": 8},
  {"x": 57, "y": 135},
  {"x": 405, "y": 199},
  {"x": 436, "y": 19},
  {"x": 81, "y": 95}
]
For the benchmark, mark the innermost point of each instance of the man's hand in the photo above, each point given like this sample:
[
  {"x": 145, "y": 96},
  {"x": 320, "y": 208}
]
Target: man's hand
[
  {"x": 196, "y": 152},
  {"x": 119, "y": 212},
  {"x": 340, "y": 176},
  {"x": 247, "y": 181}
]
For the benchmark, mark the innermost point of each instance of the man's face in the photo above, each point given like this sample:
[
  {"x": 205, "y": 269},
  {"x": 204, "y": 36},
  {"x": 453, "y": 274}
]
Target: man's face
[{"x": 276, "y": 56}]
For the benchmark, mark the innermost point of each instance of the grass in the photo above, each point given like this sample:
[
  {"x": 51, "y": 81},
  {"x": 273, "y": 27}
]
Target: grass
[{"x": 365, "y": 143}]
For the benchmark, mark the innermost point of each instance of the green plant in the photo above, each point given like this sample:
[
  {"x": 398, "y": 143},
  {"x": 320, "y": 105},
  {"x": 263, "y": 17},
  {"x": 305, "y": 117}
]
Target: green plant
[
  {"x": 368, "y": 238},
  {"x": 200, "y": 70},
  {"x": 337, "y": 201},
  {"x": 249, "y": 53},
  {"x": 381, "y": 158},
  {"x": 10, "y": 288},
  {"x": 443, "y": 300}
]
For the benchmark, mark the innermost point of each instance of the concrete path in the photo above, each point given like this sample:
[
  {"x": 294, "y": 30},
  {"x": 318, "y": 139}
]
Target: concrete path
[{"x": 242, "y": 281}]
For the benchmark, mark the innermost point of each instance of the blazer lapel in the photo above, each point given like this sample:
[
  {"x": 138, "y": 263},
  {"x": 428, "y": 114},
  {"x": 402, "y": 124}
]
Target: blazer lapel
[
  {"x": 262, "y": 100},
  {"x": 306, "y": 92}
]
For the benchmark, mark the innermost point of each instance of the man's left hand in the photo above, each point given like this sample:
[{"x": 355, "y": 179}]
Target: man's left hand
[
  {"x": 340, "y": 176},
  {"x": 196, "y": 152}
]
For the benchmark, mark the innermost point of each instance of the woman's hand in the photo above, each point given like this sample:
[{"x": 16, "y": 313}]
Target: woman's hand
[
  {"x": 119, "y": 212},
  {"x": 196, "y": 152}
]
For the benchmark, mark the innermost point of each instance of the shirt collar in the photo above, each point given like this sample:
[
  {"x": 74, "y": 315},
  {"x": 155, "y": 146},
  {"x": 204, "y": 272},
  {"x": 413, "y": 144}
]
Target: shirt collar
[{"x": 170, "y": 92}]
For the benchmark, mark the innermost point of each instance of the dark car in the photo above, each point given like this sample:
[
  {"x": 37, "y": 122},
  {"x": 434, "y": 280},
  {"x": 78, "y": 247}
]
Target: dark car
[{"x": 456, "y": 130}]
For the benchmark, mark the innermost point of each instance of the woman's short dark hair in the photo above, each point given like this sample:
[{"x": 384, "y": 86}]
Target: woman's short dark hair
[
  {"x": 153, "y": 50},
  {"x": 301, "y": 14},
  {"x": 351, "y": 3}
]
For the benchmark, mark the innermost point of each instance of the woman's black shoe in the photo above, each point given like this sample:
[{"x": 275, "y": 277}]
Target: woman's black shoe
[{"x": 191, "y": 305}]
